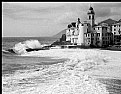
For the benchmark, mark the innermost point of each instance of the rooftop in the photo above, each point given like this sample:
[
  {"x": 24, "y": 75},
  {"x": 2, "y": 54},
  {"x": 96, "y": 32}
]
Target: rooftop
[{"x": 108, "y": 21}]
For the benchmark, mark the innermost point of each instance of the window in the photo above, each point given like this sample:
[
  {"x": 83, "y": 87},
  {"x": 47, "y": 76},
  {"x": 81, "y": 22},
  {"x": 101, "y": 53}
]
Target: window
[
  {"x": 114, "y": 29},
  {"x": 89, "y": 17},
  {"x": 105, "y": 34},
  {"x": 114, "y": 25},
  {"x": 73, "y": 40},
  {"x": 114, "y": 33},
  {"x": 119, "y": 25},
  {"x": 106, "y": 28},
  {"x": 93, "y": 17},
  {"x": 82, "y": 24},
  {"x": 92, "y": 35},
  {"x": 98, "y": 28},
  {"x": 119, "y": 31},
  {"x": 94, "y": 28},
  {"x": 103, "y": 42},
  {"x": 73, "y": 32}
]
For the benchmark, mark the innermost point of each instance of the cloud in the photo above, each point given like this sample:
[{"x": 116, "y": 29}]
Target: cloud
[
  {"x": 50, "y": 18},
  {"x": 29, "y": 11},
  {"x": 107, "y": 9},
  {"x": 102, "y": 13},
  {"x": 107, "y": 4},
  {"x": 20, "y": 11}
]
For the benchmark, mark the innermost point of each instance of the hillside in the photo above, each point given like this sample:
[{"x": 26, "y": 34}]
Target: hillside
[
  {"x": 58, "y": 35},
  {"x": 108, "y": 21}
]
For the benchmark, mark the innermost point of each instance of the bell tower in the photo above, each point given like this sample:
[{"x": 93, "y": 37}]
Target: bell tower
[{"x": 91, "y": 16}]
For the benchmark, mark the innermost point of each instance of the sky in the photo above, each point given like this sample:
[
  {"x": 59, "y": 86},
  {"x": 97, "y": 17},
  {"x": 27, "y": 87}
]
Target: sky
[{"x": 40, "y": 19}]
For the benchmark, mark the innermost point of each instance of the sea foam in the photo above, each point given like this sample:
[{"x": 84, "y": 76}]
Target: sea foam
[
  {"x": 20, "y": 48},
  {"x": 63, "y": 78},
  {"x": 67, "y": 77}
]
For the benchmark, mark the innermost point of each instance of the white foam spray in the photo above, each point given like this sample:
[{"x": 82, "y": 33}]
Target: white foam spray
[{"x": 20, "y": 48}]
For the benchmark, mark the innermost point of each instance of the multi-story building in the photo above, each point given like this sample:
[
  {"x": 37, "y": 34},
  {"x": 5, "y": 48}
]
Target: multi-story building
[
  {"x": 72, "y": 33},
  {"x": 116, "y": 30},
  {"x": 103, "y": 36},
  {"x": 87, "y": 33}
]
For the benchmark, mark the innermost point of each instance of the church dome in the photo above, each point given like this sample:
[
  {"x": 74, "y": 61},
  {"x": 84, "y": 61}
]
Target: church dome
[{"x": 90, "y": 11}]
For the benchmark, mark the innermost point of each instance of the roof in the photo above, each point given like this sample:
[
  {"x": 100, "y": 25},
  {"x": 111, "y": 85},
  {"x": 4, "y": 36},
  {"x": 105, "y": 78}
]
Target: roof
[
  {"x": 73, "y": 24},
  {"x": 101, "y": 26},
  {"x": 119, "y": 20},
  {"x": 108, "y": 21},
  {"x": 90, "y": 11},
  {"x": 94, "y": 25},
  {"x": 90, "y": 8},
  {"x": 69, "y": 26}
]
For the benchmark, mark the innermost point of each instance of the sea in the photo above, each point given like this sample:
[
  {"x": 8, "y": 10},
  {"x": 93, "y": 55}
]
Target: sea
[{"x": 13, "y": 63}]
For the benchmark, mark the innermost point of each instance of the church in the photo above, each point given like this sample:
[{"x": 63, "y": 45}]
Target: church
[{"x": 88, "y": 33}]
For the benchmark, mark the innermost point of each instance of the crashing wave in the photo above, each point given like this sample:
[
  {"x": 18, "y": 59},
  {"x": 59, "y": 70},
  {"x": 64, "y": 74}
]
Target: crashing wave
[{"x": 21, "y": 47}]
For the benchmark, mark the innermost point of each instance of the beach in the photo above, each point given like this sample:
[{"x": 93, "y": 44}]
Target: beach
[{"x": 83, "y": 71}]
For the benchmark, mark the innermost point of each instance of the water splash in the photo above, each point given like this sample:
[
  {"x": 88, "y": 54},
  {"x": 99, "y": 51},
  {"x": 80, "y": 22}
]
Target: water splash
[{"x": 20, "y": 48}]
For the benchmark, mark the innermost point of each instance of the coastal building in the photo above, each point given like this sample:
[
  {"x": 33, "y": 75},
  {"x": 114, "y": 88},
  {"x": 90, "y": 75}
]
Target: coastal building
[
  {"x": 116, "y": 30},
  {"x": 76, "y": 30},
  {"x": 103, "y": 36},
  {"x": 87, "y": 33},
  {"x": 72, "y": 33}
]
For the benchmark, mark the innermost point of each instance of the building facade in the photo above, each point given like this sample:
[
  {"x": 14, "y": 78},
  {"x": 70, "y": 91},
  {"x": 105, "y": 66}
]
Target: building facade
[
  {"x": 103, "y": 36},
  {"x": 116, "y": 30},
  {"x": 87, "y": 33}
]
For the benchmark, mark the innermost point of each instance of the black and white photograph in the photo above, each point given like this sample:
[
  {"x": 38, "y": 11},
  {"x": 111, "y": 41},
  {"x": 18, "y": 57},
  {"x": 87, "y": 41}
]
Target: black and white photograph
[{"x": 61, "y": 47}]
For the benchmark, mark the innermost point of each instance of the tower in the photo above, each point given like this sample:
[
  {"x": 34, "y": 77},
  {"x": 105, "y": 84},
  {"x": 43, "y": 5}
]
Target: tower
[
  {"x": 91, "y": 16},
  {"x": 78, "y": 22}
]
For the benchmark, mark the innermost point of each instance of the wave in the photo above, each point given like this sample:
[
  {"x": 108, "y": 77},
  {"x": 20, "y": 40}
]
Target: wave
[
  {"x": 24, "y": 47},
  {"x": 8, "y": 52}
]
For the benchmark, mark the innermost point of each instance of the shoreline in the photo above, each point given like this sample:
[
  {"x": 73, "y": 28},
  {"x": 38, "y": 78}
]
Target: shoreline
[{"x": 83, "y": 64}]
